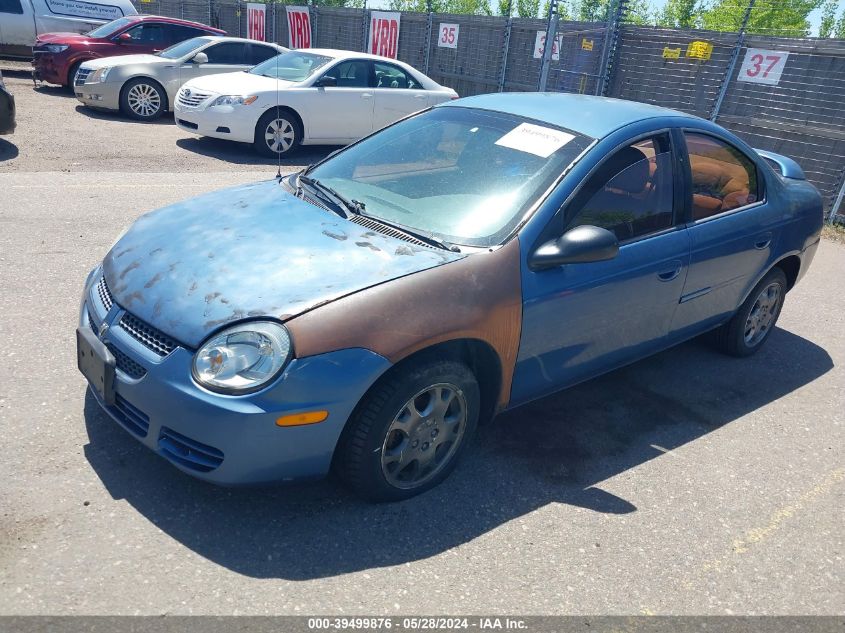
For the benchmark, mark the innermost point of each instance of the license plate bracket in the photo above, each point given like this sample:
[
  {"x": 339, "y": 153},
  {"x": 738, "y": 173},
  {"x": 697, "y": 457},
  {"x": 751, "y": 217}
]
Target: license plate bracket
[{"x": 96, "y": 363}]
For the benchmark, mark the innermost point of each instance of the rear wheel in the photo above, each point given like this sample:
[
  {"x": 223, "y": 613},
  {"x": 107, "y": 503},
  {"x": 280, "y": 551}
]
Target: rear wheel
[
  {"x": 143, "y": 99},
  {"x": 410, "y": 431},
  {"x": 277, "y": 133},
  {"x": 753, "y": 323}
]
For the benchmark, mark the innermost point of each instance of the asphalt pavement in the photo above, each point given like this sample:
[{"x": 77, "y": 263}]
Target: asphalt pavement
[{"x": 688, "y": 483}]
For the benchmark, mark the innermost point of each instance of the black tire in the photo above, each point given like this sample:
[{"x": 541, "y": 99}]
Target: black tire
[
  {"x": 71, "y": 75},
  {"x": 133, "y": 108},
  {"x": 733, "y": 337},
  {"x": 285, "y": 120},
  {"x": 359, "y": 458}
]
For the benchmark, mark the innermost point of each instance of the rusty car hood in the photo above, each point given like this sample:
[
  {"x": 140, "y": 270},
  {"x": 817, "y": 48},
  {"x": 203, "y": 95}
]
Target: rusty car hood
[{"x": 250, "y": 251}]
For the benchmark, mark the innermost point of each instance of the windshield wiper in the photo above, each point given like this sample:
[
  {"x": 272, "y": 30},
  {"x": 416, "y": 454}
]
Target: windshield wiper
[
  {"x": 422, "y": 237},
  {"x": 348, "y": 208},
  {"x": 344, "y": 207}
]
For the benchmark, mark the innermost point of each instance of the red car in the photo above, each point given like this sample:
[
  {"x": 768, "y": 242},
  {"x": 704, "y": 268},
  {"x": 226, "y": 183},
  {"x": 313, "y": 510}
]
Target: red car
[{"x": 57, "y": 56}]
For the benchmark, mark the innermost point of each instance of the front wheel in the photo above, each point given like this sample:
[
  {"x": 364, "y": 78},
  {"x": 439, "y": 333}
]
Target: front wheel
[
  {"x": 753, "y": 323},
  {"x": 277, "y": 133},
  {"x": 410, "y": 431},
  {"x": 143, "y": 99}
]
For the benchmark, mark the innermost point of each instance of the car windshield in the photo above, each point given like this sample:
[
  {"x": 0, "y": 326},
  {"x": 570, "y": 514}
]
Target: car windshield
[
  {"x": 184, "y": 48},
  {"x": 110, "y": 28},
  {"x": 464, "y": 175},
  {"x": 291, "y": 66}
]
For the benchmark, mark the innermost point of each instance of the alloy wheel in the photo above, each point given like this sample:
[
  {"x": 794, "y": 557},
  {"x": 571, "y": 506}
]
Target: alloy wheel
[
  {"x": 762, "y": 315},
  {"x": 143, "y": 100},
  {"x": 424, "y": 436}
]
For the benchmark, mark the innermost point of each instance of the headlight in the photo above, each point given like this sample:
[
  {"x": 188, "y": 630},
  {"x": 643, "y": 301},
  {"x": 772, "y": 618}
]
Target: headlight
[
  {"x": 56, "y": 48},
  {"x": 99, "y": 75},
  {"x": 242, "y": 358},
  {"x": 234, "y": 100}
]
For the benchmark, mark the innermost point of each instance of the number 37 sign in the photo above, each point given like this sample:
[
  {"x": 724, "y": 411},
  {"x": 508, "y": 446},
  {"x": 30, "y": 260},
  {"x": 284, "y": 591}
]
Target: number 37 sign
[{"x": 762, "y": 66}]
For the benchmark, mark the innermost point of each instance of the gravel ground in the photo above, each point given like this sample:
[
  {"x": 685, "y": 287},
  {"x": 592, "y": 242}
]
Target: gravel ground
[{"x": 688, "y": 483}]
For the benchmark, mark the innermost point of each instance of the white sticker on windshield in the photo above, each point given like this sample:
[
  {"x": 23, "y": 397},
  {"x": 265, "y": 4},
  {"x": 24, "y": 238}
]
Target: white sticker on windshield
[{"x": 535, "y": 139}]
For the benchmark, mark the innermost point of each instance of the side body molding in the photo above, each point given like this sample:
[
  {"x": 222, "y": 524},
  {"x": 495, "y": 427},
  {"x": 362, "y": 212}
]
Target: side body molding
[{"x": 477, "y": 297}]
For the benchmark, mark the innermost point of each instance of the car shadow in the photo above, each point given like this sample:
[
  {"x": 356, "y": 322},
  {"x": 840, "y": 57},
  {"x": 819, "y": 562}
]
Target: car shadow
[
  {"x": 94, "y": 113},
  {"x": 8, "y": 150},
  {"x": 555, "y": 450},
  {"x": 54, "y": 91},
  {"x": 244, "y": 154}
]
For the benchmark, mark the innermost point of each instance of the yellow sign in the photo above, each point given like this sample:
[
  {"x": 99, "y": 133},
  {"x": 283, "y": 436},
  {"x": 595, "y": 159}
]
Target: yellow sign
[
  {"x": 586, "y": 44},
  {"x": 671, "y": 53},
  {"x": 700, "y": 50}
]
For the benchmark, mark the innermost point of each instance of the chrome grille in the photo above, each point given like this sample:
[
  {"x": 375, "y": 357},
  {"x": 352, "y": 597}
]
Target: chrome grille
[
  {"x": 191, "y": 98},
  {"x": 82, "y": 75},
  {"x": 147, "y": 335},
  {"x": 104, "y": 294}
]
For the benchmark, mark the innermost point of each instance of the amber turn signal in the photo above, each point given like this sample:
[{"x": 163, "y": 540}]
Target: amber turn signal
[{"x": 299, "y": 419}]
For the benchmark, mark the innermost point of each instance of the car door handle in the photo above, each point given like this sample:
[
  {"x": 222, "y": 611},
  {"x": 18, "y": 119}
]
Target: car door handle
[
  {"x": 367, "y": 95},
  {"x": 763, "y": 241},
  {"x": 419, "y": 96},
  {"x": 669, "y": 275}
]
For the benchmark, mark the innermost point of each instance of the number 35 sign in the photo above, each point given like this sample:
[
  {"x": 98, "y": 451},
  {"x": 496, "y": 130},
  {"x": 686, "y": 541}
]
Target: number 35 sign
[
  {"x": 448, "y": 35},
  {"x": 762, "y": 66}
]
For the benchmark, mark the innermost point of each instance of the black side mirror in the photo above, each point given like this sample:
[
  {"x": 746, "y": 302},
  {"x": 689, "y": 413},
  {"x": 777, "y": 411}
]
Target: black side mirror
[
  {"x": 326, "y": 81},
  {"x": 580, "y": 245}
]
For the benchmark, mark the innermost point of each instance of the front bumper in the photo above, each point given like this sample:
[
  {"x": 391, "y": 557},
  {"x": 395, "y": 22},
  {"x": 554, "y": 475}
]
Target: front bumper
[
  {"x": 104, "y": 95},
  {"x": 221, "y": 122},
  {"x": 230, "y": 440},
  {"x": 45, "y": 68}
]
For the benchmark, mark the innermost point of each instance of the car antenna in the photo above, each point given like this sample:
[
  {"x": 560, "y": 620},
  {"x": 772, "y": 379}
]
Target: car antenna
[{"x": 278, "y": 154}]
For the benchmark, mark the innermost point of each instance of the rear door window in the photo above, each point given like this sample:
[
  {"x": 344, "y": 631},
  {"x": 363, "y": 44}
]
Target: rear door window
[
  {"x": 256, "y": 53},
  {"x": 723, "y": 178}
]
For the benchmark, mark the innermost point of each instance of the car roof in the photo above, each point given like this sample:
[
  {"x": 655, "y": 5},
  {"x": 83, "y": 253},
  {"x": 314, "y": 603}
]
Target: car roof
[
  {"x": 163, "y": 18},
  {"x": 593, "y": 116},
  {"x": 229, "y": 38},
  {"x": 342, "y": 54}
]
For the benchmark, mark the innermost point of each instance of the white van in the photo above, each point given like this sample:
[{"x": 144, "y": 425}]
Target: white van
[{"x": 22, "y": 20}]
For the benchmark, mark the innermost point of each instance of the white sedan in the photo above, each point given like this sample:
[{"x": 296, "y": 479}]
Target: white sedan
[{"x": 309, "y": 97}]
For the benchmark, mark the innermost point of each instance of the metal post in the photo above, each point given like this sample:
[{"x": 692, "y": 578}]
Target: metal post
[
  {"x": 210, "y": 13},
  {"x": 428, "y": 30},
  {"x": 726, "y": 80},
  {"x": 551, "y": 34},
  {"x": 838, "y": 203},
  {"x": 615, "y": 16},
  {"x": 506, "y": 44},
  {"x": 366, "y": 29}
]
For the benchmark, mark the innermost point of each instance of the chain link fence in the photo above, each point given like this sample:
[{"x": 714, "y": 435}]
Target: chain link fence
[{"x": 739, "y": 66}]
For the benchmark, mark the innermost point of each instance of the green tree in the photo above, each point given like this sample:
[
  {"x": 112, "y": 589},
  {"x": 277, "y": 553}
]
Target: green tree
[
  {"x": 639, "y": 12},
  {"x": 505, "y": 8},
  {"x": 786, "y": 17},
  {"x": 840, "y": 26},
  {"x": 680, "y": 14},
  {"x": 528, "y": 8},
  {"x": 828, "y": 21},
  {"x": 590, "y": 10}
]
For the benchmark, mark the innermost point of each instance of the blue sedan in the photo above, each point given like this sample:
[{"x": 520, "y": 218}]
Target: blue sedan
[{"x": 362, "y": 316}]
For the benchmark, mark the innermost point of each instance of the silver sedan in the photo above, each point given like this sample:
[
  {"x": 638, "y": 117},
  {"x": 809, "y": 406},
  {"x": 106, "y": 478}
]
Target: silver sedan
[{"x": 145, "y": 86}]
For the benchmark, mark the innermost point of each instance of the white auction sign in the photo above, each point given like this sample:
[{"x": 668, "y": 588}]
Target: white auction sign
[
  {"x": 256, "y": 18},
  {"x": 299, "y": 27},
  {"x": 448, "y": 35},
  {"x": 763, "y": 67},
  {"x": 81, "y": 9},
  {"x": 540, "y": 43},
  {"x": 384, "y": 33}
]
